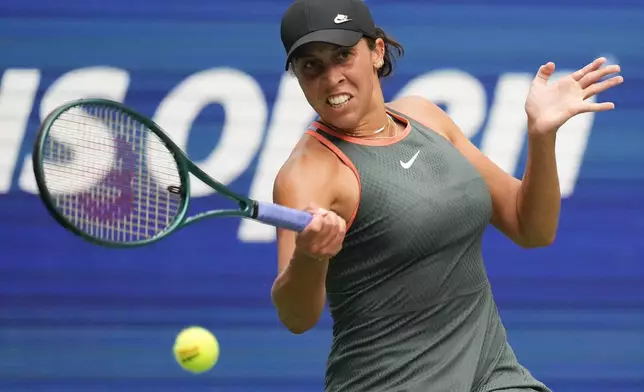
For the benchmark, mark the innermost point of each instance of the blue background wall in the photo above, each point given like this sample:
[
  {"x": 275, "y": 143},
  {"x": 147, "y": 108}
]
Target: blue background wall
[{"x": 75, "y": 317}]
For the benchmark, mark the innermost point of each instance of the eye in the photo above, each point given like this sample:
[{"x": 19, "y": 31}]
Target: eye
[
  {"x": 344, "y": 54},
  {"x": 305, "y": 66}
]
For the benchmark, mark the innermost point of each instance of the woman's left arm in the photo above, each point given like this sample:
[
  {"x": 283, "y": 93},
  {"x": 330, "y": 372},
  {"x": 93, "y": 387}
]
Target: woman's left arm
[{"x": 527, "y": 211}]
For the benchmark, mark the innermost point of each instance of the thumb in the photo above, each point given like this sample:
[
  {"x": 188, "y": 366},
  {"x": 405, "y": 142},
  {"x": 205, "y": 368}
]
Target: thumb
[
  {"x": 313, "y": 208},
  {"x": 545, "y": 72}
]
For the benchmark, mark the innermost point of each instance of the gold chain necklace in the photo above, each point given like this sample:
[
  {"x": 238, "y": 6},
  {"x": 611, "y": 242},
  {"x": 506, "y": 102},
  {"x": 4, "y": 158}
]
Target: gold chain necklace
[{"x": 390, "y": 122}]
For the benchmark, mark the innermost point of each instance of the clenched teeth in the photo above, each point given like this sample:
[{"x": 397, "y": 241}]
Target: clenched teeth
[{"x": 338, "y": 100}]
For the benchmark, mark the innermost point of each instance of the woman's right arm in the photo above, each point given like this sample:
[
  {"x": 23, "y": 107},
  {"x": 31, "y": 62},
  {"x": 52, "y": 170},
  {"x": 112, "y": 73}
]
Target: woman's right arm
[{"x": 305, "y": 182}]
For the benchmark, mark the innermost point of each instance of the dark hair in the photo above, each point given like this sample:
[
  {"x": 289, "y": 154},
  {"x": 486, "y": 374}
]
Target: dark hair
[{"x": 392, "y": 49}]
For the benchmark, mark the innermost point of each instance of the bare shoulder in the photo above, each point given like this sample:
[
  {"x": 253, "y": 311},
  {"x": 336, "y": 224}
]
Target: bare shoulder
[
  {"x": 306, "y": 175},
  {"x": 427, "y": 113},
  {"x": 308, "y": 157}
]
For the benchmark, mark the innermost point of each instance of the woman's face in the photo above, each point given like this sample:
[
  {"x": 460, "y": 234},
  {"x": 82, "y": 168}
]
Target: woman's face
[{"x": 339, "y": 82}]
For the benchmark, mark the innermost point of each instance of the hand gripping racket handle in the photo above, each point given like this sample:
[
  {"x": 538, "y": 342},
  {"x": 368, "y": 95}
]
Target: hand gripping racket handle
[{"x": 283, "y": 217}]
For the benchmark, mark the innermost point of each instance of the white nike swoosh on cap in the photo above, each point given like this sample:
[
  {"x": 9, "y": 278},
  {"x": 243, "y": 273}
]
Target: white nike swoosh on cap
[{"x": 341, "y": 19}]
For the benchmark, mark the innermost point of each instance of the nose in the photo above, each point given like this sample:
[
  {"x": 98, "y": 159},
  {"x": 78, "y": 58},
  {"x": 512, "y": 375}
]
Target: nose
[{"x": 333, "y": 75}]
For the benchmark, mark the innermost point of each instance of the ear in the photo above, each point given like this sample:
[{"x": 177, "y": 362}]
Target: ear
[{"x": 378, "y": 53}]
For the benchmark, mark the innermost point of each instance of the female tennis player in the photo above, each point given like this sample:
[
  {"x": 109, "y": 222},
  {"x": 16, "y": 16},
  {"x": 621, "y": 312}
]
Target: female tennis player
[{"x": 401, "y": 199}]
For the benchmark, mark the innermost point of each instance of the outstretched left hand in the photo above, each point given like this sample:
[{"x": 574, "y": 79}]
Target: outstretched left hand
[{"x": 550, "y": 105}]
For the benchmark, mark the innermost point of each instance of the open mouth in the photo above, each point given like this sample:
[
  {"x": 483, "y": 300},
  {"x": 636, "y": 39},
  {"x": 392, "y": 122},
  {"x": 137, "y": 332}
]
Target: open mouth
[{"x": 338, "y": 101}]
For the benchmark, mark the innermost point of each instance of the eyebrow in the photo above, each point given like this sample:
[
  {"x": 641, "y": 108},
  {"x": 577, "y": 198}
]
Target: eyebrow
[
  {"x": 304, "y": 56},
  {"x": 309, "y": 55}
]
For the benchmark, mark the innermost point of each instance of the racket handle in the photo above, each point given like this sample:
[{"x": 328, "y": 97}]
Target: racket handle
[{"x": 282, "y": 217}]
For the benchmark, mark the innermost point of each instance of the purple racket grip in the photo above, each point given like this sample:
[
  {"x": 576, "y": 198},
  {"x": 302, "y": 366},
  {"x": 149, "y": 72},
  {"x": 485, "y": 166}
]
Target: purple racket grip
[{"x": 282, "y": 217}]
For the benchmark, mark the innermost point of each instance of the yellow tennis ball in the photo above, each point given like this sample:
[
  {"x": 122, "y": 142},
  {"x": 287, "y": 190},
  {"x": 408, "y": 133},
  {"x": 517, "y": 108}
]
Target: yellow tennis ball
[{"x": 196, "y": 349}]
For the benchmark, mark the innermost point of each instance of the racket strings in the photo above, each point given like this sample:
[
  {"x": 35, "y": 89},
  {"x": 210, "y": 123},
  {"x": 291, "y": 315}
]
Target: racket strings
[{"x": 109, "y": 174}]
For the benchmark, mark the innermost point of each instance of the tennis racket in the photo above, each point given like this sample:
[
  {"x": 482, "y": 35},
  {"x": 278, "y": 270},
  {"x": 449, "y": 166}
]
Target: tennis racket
[{"x": 113, "y": 177}]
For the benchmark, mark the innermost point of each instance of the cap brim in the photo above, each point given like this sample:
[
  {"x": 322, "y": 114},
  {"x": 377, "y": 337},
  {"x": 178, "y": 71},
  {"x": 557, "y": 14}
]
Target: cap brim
[{"x": 336, "y": 37}]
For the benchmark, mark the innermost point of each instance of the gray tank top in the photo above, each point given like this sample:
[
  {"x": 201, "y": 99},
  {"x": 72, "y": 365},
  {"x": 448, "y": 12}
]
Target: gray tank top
[{"x": 409, "y": 296}]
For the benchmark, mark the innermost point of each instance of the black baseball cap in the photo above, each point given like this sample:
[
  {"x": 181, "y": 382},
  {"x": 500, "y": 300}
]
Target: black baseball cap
[{"x": 339, "y": 22}]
